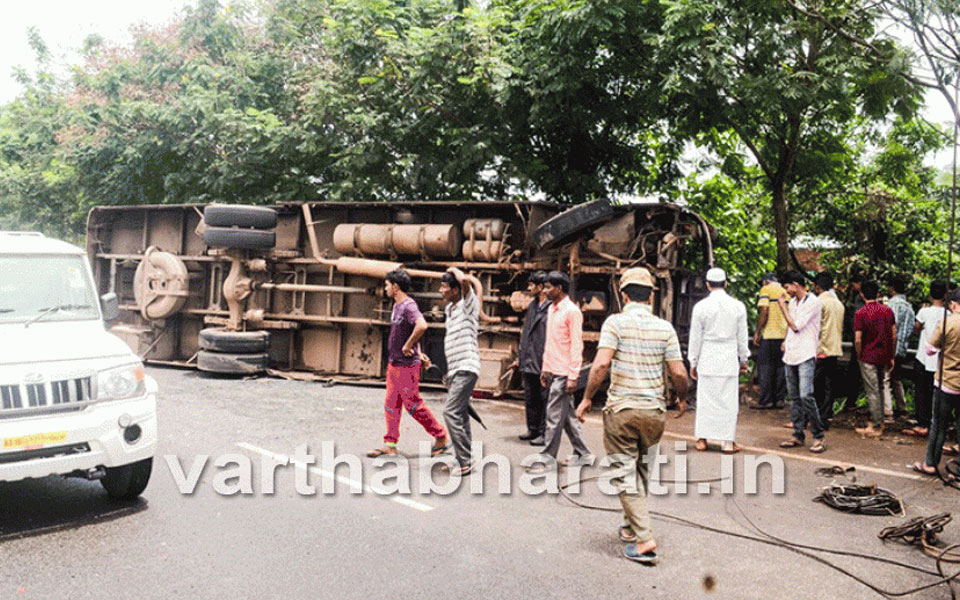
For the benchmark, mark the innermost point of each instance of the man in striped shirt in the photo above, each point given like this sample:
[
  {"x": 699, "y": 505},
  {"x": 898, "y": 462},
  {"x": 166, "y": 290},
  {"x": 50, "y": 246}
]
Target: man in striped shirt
[
  {"x": 463, "y": 358},
  {"x": 635, "y": 348}
]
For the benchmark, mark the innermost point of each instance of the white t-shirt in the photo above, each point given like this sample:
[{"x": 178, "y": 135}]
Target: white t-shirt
[{"x": 930, "y": 316}]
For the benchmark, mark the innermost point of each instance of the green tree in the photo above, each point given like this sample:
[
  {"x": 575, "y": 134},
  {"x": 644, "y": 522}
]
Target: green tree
[{"x": 790, "y": 87}]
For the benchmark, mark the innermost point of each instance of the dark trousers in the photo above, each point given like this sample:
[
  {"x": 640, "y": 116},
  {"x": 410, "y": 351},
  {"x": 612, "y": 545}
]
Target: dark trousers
[
  {"x": 773, "y": 381},
  {"x": 825, "y": 386},
  {"x": 946, "y": 409},
  {"x": 852, "y": 383},
  {"x": 536, "y": 403},
  {"x": 923, "y": 398}
]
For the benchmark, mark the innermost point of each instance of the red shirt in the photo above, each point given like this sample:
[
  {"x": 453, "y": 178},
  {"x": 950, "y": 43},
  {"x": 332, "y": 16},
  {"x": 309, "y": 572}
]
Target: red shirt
[{"x": 876, "y": 322}]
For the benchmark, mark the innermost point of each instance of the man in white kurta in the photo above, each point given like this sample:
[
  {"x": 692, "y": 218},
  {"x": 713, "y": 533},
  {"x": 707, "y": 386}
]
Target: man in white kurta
[{"x": 718, "y": 354}]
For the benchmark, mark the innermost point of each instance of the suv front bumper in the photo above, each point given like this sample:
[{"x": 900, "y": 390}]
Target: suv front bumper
[{"x": 93, "y": 435}]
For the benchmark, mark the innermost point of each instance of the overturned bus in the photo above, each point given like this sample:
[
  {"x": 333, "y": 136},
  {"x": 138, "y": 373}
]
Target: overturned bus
[{"x": 296, "y": 290}]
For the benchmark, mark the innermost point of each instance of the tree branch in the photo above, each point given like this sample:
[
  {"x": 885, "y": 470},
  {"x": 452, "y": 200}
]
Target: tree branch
[{"x": 857, "y": 40}]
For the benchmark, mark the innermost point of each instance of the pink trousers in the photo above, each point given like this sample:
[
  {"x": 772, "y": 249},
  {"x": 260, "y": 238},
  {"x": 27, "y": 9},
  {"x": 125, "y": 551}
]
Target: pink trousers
[{"x": 403, "y": 393}]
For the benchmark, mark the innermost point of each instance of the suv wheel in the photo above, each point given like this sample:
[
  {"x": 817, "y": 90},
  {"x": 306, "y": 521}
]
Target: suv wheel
[{"x": 129, "y": 481}]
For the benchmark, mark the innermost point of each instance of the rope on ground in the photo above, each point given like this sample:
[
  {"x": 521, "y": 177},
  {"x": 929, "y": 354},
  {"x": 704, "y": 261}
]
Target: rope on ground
[
  {"x": 804, "y": 550},
  {"x": 861, "y": 499}
]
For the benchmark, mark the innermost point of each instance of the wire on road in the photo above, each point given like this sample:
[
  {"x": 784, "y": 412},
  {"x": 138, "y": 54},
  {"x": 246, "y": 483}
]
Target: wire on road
[{"x": 802, "y": 549}]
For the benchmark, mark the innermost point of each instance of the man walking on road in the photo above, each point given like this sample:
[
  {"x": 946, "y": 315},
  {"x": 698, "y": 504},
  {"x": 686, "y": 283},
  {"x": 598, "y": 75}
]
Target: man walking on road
[
  {"x": 530, "y": 361},
  {"x": 875, "y": 334},
  {"x": 771, "y": 330},
  {"x": 906, "y": 320},
  {"x": 718, "y": 354},
  {"x": 562, "y": 359},
  {"x": 830, "y": 349},
  {"x": 407, "y": 326},
  {"x": 634, "y": 348},
  {"x": 463, "y": 358},
  {"x": 799, "y": 357}
]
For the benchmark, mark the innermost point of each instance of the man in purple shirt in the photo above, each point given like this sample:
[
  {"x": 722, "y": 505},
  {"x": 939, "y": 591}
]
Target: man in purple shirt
[
  {"x": 407, "y": 326},
  {"x": 875, "y": 334}
]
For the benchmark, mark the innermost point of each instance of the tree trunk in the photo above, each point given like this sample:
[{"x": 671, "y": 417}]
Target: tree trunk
[{"x": 780, "y": 227}]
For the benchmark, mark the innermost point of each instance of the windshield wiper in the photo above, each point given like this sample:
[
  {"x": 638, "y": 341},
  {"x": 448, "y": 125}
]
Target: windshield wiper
[{"x": 46, "y": 311}]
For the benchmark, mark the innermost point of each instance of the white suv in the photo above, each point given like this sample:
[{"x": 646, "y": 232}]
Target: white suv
[{"x": 74, "y": 399}]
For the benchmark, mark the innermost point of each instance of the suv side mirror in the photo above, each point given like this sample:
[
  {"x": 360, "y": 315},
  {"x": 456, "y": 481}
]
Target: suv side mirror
[{"x": 110, "y": 306}]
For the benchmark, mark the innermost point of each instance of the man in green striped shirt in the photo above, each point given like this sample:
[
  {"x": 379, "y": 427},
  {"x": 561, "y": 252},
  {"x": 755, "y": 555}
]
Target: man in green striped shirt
[{"x": 635, "y": 347}]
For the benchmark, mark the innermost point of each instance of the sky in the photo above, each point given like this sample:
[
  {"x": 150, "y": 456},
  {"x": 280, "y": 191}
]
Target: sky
[{"x": 64, "y": 24}]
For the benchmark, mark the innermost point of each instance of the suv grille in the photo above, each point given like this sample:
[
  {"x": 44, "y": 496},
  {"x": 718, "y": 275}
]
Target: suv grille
[{"x": 63, "y": 394}]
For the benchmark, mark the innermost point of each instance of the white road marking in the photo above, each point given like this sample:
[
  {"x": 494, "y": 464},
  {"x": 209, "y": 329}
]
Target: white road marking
[
  {"x": 344, "y": 480},
  {"x": 759, "y": 450}
]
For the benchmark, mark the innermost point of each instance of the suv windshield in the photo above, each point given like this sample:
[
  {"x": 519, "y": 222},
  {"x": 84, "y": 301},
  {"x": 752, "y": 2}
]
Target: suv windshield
[{"x": 53, "y": 288}]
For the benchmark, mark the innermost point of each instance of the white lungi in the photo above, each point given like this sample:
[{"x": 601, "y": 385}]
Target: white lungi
[{"x": 718, "y": 404}]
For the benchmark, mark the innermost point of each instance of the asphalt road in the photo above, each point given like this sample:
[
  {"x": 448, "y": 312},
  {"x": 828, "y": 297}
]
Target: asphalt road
[{"x": 63, "y": 538}]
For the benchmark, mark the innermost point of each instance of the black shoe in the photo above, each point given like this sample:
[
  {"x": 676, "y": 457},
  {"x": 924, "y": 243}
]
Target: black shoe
[
  {"x": 538, "y": 441},
  {"x": 528, "y": 436}
]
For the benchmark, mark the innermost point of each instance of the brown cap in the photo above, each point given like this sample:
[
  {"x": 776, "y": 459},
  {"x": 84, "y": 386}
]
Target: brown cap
[{"x": 636, "y": 276}]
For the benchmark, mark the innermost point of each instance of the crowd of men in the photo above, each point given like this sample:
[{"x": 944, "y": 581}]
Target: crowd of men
[
  {"x": 789, "y": 322},
  {"x": 798, "y": 341}
]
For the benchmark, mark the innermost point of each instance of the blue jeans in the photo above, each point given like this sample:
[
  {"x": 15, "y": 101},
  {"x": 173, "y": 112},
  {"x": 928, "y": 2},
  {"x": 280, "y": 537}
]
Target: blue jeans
[{"x": 803, "y": 405}]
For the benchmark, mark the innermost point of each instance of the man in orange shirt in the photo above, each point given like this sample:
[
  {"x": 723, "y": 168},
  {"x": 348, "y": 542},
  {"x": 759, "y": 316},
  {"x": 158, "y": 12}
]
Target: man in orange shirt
[{"x": 562, "y": 359}]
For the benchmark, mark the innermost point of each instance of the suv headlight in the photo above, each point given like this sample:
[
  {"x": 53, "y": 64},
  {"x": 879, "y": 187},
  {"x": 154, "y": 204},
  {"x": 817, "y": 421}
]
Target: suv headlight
[{"x": 128, "y": 381}]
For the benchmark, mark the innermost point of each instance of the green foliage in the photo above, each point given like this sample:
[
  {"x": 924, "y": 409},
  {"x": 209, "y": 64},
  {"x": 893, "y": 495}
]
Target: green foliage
[
  {"x": 889, "y": 218},
  {"x": 568, "y": 100},
  {"x": 790, "y": 87},
  {"x": 744, "y": 247}
]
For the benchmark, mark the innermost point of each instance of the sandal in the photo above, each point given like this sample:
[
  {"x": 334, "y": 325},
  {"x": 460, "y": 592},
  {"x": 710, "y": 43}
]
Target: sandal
[
  {"x": 921, "y": 468},
  {"x": 462, "y": 470},
  {"x": 915, "y": 432},
  {"x": 818, "y": 447},
  {"x": 384, "y": 451},
  {"x": 701, "y": 445},
  {"x": 949, "y": 450},
  {"x": 626, "y": 534},
  {"x": 437, "y": 450},
  {"x": 791, "y": 443},
  {"x": 731, "y": 450},
  {"x": 647, "y": 558}
]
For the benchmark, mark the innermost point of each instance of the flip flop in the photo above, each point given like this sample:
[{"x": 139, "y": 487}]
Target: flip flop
[
  {"x": 701, "y": 445},
  {"x": 949, "y": 450},
  {"x": 914, "y": 432},
  {"x": 380, "y": 452},
  {"x": 732, "y": 450},
  {"x": 630, "y": 538},
  {"x": 919, "y": 469},
  {"x": 791, "y": 443},
  {"x": 647, "y": 558},
  {"x": 437, "y": 450}
]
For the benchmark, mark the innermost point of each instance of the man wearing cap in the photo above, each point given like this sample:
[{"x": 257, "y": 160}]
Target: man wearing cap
[
  {"x": 718, "y": 354},
  {"x": 771, "y": 330},
  {"x": 634, "y": 348}
]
